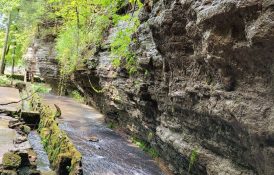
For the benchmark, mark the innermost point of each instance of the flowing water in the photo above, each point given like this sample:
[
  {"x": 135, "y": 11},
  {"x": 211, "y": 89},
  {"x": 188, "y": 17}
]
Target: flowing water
[
  {"x": 112, "y": 155},
  {"x": 43, "y": 163}
]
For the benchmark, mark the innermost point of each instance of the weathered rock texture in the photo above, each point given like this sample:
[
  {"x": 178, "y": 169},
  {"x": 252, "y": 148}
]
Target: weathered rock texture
[
  {"x": 205, "y": 82},
  {"x": 41, "y": 59}
]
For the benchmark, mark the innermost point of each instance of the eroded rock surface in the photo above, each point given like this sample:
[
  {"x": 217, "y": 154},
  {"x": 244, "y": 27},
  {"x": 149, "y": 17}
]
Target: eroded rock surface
[
  {"x": 205, "y": 83},
  {"x": 41, "y": 59}
]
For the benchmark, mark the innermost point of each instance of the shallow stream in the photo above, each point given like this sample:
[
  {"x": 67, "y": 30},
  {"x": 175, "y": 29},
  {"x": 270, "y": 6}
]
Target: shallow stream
[{"x": 112, "y": 154}]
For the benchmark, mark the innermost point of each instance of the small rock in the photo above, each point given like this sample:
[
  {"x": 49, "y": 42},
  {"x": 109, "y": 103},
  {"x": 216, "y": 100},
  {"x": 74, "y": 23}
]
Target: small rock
[
  {"x": 26, "y": 129},
  {"x": 20, "y": 139},
  {"x": 93, "y": 139},
  {"x": 14, "y": 124},
  {"x": 32, "y": 159}
]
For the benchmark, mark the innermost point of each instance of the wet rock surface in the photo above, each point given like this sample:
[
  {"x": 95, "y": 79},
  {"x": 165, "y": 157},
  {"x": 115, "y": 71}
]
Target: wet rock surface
[
  {"x": 16, "y": 155},
  {"x": 108, "y": 153}
]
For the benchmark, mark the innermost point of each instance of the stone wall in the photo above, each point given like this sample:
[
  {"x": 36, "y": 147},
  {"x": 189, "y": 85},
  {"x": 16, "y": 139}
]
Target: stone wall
[{"x": 205, "y": 83}]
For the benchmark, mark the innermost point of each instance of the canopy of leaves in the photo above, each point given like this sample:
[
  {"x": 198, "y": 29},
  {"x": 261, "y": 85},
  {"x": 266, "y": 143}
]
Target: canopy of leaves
[
  {"x": 8, "y": 5},
  {"x": 79, "y": 28},
  {"x": 84, "y": 24},
  {"x": 25, "y": 15}
]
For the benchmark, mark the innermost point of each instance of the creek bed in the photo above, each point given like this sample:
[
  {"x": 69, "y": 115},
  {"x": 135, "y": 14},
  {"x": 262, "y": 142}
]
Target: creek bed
[{"x": 111, "y": 155}]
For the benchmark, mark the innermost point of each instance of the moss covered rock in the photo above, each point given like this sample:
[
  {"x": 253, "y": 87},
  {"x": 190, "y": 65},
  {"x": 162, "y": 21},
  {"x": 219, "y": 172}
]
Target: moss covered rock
[
  {"x": 8, "y": 172},
  {"x": 11, "y": 160},
  {"x": 61, "y": 151},
  {"x": 26, "y": 129}
]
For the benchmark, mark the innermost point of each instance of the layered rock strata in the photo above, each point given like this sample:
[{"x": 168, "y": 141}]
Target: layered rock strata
[{"x": 205, "y": 83}]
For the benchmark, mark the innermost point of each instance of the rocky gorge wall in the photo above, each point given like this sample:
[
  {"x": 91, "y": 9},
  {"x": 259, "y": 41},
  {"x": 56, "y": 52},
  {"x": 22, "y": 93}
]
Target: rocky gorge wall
[
  {"x": 41, "y": 59},
  {"x": 204, "y": 84}
]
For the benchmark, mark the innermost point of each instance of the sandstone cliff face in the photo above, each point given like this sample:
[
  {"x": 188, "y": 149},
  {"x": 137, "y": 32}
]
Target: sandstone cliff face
[{"x": 205, "y": 83}]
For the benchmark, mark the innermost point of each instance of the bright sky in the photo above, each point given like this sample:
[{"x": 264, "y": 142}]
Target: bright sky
[{"x": 1, "y": 21}]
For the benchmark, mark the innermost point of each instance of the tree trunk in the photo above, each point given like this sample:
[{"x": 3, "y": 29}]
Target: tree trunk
[
  {"x": 2, "y": 65},
  {"x": 13, "y": 61},
  {"x": 78, "y": 30}
]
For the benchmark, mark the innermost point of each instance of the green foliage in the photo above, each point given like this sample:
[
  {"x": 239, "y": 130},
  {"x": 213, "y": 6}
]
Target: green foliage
[
  {"x": 41, "y": 88},
  {"x": 145, "y": 147},
  {"x": 80, "y": 27},
  {"x": 120, "y": 45},
  {"x": 77, "y": 96},
  {"x": 193, "y": 159},
  {"x": 45, "y": 140},
  {"x": 4, "y": 80},
  {"x": 84, "y": 25},
  {"x": 67, "y": 49},
  {"x": 8, "y": 5},
  {"x": 25, "y": 16},
  {"x": 7, "y": 80},
  {"x": 112, "y": 125}
]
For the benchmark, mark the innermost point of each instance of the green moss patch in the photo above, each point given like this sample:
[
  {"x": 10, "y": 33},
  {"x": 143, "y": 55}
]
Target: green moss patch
[
  {"x": 11, "y": 160},
  {"x": 8, "y": 172}
]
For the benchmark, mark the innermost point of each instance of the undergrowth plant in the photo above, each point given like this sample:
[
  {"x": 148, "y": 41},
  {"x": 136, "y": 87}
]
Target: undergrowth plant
[
  {"x": 120, "y": 44},
  {"x": 4, "y": 80},
  {"x": 193, "y": 159},
  {"x": 145, "y": 147},
  {"x": 40, "y": 88},
  {"x": 77, "y": 96}
]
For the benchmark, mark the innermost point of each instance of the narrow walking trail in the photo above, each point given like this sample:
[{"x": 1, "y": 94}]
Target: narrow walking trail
[{"x": 112, "y": 155}]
